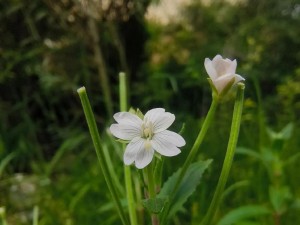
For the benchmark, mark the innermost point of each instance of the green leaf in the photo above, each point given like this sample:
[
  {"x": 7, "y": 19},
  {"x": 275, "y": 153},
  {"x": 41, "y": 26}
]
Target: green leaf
[
  {"x": 287, "y": 131},
  {"x": 284, "y": 134},
  {"x": 155, "y": 205},
  {"x": 187, "y": 187},
  {"x": 243, "y": 213},
  {"x": 281, "y": 198},
  {"x": 249, "y": 152}
]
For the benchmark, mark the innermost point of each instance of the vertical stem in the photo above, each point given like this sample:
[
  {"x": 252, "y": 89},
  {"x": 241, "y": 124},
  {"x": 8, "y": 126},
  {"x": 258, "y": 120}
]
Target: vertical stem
[
  {"x": 198, "y": 141},
  {"x": 99, "y": 60},
  {"x": 192, "y": 154},
  {"x": 150, "y": 179},
  {"x": 127, "y": 169},
  {"x": 151, "y": 190},
  {"x": 99, "y": 151},
  {"x": 233, "y": 138},
  {"x": 35, "y": 215},
  {"x": 2, "y": 216}
]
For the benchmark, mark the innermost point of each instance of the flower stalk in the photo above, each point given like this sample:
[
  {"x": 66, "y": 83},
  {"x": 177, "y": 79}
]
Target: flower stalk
[
  {"x": 206, "y": 124},
  {"x": 127, "y": 169},
  {"x": 151, "y": 189},
  {"x": 233, "y": 138},
  {"x": 99, "y": 151}
]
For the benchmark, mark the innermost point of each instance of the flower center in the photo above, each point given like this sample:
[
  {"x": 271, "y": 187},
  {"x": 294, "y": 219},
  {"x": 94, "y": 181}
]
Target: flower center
[{"x": 147, "y": 129}]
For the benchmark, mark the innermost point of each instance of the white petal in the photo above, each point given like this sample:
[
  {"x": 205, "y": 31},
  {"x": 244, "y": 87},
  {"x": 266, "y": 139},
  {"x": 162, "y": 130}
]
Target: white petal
[
  {"x": 210, "y": 69},
  {"x": 222, "y": 81},
  {"x": 128, "y": 118},
  {"x": 144, "y": 157},
  {"x": 132, "y": 150},
  {"x": 152, "y": 113},
  {"x": 223, "y": 67},
  {"x": 164, "y": 147},
  {"x": 232, "y": 67},
  {"x": 172, "y": 137},
  {"x": 238, "y": 78},
  {"x": 125, "y": 132},
  {"x": 162, "y": 121},
  {"x": 216, "y": 58}
]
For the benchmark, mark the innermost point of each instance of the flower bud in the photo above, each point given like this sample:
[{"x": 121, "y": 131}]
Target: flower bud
[{"x": 222, "y": 74}]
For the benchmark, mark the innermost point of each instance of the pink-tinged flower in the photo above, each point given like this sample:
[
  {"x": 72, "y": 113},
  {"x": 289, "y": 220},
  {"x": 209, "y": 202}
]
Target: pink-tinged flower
[
  {"x": 222, "y": 73},
  {"x": 146, "y": 136}
]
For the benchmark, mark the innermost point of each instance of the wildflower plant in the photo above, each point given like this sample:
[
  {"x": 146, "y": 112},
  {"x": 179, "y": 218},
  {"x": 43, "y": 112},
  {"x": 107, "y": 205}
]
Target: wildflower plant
[{"x": 147, "y": 140}]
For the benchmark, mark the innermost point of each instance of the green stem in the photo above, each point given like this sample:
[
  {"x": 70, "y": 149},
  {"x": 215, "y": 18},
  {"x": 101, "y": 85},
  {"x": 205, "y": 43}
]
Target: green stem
[
  {"x": 151, "y": 190},
  {"x": 99, "y": 151},
  {"x": 127, "y": 169},
  {"x": 233, "y": 138},
  {"x": 192, "y": 154},
  {"x": 2, "y": 216},
  {"x": 35, "y": 215},
  {"x": 150, "y": 179}
]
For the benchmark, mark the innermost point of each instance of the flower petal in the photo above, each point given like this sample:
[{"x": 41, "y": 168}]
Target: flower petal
[
  {"x": 232, "y": 67},
  {"x": 238, "y": 78},
  {"x": 144, "y": 157},
  {"x": 132, "y": 149},
  {"x": 223, "y": 67},
  {"x": 210, "y": 69},
  {"x": 222, "y": 81},
  {"x": 164, "y": 147},
  {"x": 216, "y": 58},
  {"x": 172, "y": 137},
  {"x": 152, "y": 113},
  {"x": 125, "y": 132},
  {"x": 162, "y": 121},
  {"x": 128, "y": 118}
]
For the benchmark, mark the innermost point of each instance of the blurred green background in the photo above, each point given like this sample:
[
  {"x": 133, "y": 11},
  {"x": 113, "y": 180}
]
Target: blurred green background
[{"x": 49, "y": 48}]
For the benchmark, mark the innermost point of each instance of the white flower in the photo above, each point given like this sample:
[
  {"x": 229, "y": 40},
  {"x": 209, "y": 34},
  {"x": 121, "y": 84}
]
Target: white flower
[
  {"x": 146, "y": 136},
  {"x": 222, "y": 72}
]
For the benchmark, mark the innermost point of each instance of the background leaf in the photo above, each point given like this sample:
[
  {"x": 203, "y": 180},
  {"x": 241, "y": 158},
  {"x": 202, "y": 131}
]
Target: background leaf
[{"x": 242, "y": 213}]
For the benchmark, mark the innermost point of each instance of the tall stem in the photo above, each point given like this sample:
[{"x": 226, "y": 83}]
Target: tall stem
[
  {"x": 35, "y": 215},
  {"x": 233, "y": 138},
  {"x": 127, "y": 169},
  {"x": 151, "y": 190},
  {"x": 99, "y": 151},
  {"x": 192, "y": 154}
]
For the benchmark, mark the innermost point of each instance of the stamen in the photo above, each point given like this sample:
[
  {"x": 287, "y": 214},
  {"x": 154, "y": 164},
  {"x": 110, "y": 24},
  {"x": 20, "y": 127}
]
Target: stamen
[{"x": 147, "y": 129}]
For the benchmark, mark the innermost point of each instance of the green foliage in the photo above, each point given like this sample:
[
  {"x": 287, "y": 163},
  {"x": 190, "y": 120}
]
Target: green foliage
[
  {"x": 243, "y": 213},
  {"x": 155, "y": 205},
  {"x": 188, "y": 185},
  {"x": 46, "y": 51}
]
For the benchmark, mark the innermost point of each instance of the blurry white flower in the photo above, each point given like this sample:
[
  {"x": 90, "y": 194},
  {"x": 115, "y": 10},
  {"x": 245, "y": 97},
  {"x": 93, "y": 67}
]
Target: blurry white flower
[
  {"x": 222, "y": 72},
  {"x": 146, "y": 136}
]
